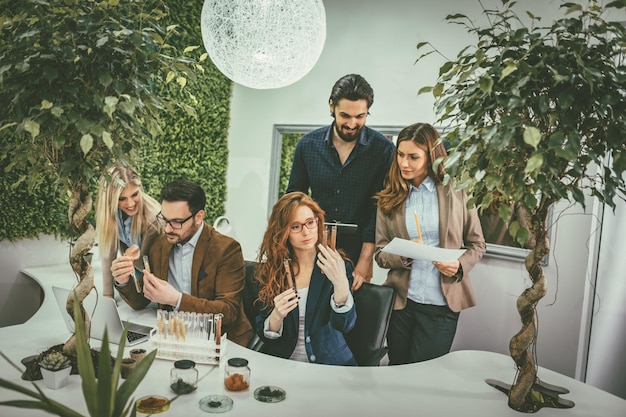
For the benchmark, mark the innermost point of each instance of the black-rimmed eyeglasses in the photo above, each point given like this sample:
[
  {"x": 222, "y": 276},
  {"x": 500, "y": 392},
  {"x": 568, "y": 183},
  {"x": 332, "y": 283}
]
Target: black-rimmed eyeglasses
[{"x": 174, "y": 224}]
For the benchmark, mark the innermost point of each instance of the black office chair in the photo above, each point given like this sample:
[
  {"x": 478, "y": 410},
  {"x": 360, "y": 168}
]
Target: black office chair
[
  {"x": 374, "y": 304},
  {"x": 250, "y": 307}
]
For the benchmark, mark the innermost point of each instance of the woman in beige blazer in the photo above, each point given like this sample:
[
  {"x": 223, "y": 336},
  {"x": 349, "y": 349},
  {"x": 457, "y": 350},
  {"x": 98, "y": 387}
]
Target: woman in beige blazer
[{"x": 416, "y": 205}]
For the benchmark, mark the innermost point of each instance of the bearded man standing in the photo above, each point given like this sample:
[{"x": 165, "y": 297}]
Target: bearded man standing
[{"x": 343, "y": 166}]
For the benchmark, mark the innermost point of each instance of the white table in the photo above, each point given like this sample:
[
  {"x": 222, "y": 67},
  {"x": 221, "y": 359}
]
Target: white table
[{"x": 452, "y": 385}]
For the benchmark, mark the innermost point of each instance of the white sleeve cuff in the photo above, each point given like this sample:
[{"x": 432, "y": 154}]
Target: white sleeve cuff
[{"x": 270, "y": 334}]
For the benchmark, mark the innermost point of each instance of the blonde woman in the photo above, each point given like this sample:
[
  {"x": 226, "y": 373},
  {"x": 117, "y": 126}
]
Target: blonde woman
[{"x": 125, "y": 218}]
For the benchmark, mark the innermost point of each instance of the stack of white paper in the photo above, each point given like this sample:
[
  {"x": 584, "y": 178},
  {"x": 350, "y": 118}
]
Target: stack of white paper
[{"x": 420, "y": 251}]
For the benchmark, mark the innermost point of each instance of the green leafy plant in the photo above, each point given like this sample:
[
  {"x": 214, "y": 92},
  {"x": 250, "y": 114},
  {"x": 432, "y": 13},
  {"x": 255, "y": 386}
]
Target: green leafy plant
[
  {"x": 536, "y": 116},
  {"x": 55, "y": 361},
  {"x": 80, "y": 83},
  {"x": 103, "y": 397}
]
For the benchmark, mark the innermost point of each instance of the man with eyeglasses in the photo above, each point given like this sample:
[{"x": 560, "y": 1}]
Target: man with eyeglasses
[{"x": 194, "y": 268}]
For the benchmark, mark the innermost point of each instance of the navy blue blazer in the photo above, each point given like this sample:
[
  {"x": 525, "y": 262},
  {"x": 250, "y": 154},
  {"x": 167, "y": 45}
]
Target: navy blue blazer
[{"x": 323, "y": 330}]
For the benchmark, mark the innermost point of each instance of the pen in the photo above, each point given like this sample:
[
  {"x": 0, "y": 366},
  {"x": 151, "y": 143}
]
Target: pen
[{"x": 417, "y": 223}]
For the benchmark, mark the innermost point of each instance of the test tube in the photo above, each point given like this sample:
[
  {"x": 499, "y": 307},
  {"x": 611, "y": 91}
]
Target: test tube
[
  {"x": 217, "y": 322},
  {"x": 333, "y": 237},
  {"x": 287, "y": 265},
  {"x": 208, "y": 325}
]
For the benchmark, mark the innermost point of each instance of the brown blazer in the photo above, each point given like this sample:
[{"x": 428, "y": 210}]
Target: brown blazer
[
  {"x": 217, "y": 281},
  {"x": 458, "y": 227}
]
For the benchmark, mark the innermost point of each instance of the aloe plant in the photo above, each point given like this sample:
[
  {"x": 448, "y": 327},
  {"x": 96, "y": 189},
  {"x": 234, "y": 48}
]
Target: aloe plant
[{"x": 103, "y": 396}]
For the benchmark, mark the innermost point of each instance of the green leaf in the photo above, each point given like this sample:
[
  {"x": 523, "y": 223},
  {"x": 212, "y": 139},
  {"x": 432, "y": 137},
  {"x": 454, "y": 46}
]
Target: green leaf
[
  {"x": 511, "y": 66},
  {"x": 486, "y": 84},
  {"x": 101, "y": 41},
  {"x": 86, "y": 143},
  {"x": 32, "y": 127},
  {"x": 45, "y": 105},
  {"x": 438, "y": 89},
  {"x": 190, "y": 49},
  {"x": 423, "y": 90},
  {"x": 422, "y": 44},
  {"x": 505, "y": 212},
  {"x": 532, "y": 136},
  {"x": 85, "y": 364},
  {"x": 108, "y": 141},
  {"x": 578, "y": 195},
  {"x": 534, "y": 163}
]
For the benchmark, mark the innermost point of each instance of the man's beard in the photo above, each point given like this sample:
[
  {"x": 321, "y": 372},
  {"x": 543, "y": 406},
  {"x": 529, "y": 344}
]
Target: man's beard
[
  {"x": 348, "y": 138},
  {"x": 182, "y": 240}
]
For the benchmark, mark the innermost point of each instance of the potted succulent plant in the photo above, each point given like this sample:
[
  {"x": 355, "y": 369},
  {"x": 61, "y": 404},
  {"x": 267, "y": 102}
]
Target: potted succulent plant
[{"x": 55, "y": 369}]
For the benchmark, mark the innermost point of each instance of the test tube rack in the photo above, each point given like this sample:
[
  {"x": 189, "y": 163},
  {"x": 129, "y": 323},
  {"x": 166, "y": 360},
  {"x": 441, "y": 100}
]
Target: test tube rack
[{"x": 194, "y": 336}]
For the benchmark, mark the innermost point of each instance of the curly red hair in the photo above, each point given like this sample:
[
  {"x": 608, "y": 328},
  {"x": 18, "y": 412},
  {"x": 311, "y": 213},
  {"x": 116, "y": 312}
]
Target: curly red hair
[{"x": 275, "y": 246}]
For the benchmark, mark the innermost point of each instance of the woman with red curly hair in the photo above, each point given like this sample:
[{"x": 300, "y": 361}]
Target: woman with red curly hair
[{"x": 307, "y": 307}]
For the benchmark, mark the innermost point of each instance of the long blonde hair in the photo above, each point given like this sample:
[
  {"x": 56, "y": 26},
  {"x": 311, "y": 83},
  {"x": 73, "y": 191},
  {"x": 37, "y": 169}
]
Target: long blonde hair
[
  {"x": 117, "y": 177},
  {"x": 396, "y": 189}
]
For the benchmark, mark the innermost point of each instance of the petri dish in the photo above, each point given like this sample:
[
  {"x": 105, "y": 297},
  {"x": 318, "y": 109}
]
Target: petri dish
[
  {"x": 216, "y": 404},
  {"x": 269, "y": 394},
  {"x": 152, "y": 404}
]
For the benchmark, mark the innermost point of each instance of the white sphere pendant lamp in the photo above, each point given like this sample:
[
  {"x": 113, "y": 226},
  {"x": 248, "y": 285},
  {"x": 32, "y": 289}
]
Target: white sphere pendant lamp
[{"x": 264, "y": 43}]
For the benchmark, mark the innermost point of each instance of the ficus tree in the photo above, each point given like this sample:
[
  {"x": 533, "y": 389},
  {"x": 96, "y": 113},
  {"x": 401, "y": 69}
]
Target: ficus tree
[
  {"x": 81, "y": 86},
  {"x": 536, "y": 116}
]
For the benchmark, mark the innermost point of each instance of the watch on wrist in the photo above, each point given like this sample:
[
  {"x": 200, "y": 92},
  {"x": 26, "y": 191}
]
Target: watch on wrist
[{"x": 338, "y": 305}]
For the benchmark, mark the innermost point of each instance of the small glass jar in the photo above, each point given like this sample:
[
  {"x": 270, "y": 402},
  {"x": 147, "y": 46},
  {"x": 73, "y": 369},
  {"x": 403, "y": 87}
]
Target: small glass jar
[
  {"x": 237, "y": 374},
  {"x": 184, "y": 377}
]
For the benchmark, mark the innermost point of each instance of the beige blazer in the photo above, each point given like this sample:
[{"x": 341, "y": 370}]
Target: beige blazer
[{"x": 459, "y": 227}]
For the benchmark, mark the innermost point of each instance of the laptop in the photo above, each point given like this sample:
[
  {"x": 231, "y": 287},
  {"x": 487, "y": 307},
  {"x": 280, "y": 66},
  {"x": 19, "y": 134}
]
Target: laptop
[{"x": 104, "y": 316}]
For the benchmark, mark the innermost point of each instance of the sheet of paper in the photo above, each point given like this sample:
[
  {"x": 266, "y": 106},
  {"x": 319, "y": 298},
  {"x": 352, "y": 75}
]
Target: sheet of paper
[{"x": 414, "y": 250}]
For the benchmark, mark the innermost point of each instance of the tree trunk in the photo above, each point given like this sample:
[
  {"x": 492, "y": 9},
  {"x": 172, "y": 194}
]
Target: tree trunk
[
  {"x": 79, "y": 207},
  {"x": 522, "y": 345}
]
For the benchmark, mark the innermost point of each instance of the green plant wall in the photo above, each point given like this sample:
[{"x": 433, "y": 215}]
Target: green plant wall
[
  {"x": 189, "y": 148},
  {"x": 193, "y": 149},
  {"x": 25, "y": 212},
  {"x": 290, "y": 140}
]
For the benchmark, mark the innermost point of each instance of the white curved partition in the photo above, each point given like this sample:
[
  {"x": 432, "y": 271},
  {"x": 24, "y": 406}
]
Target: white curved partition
[{"x": 453, "y": 385}]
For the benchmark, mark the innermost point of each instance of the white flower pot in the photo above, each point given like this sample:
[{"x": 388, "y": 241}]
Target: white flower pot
[{"x": 55, "y": 379}]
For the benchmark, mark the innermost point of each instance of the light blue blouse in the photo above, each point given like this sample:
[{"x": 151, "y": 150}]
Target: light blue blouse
[{"x": 424, "y": 286}]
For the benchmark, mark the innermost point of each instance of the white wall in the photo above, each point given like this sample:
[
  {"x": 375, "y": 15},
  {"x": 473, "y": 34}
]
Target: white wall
[
  {"x": 378, "y": 40},
  {"x": 608, "y": 334}
]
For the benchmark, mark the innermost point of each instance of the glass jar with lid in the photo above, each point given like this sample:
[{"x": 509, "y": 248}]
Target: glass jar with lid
[
  {"x": 237, "y": 374},
  {"x": 184, "y": 377}
]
